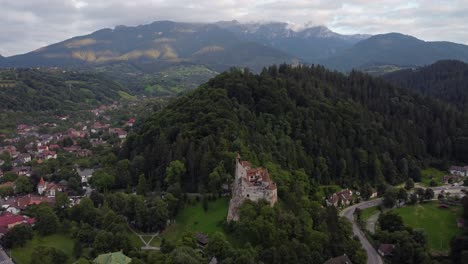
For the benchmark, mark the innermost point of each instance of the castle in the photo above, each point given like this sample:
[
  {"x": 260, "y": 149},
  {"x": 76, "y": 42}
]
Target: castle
[{"x": 250, "y": 183}]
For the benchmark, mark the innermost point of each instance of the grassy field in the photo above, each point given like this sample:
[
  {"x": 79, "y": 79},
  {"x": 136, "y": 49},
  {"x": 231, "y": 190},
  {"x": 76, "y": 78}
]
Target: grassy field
[
  {"x": 432, "y": 174},
  {"x": 368, "y": 212},
  {"x": 439, "y": 224},
  {"x": 22, "y": 255},
  {"x": 195, "y": 219}
]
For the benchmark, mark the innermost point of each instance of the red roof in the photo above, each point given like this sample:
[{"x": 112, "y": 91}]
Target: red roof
[
  {"x": 41, "y": 182},
  {"x": 8, "y": 219}
]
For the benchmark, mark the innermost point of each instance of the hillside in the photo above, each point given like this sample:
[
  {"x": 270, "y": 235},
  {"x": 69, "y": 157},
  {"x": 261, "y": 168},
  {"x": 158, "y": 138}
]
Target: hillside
[
  {"x": 395, "y": 49},
  {"x": 340, "y": 129},
  {"x": 445, "y": 80},
  {"x": 162, "y": 42},
  {"x": 40, "y": 90}
]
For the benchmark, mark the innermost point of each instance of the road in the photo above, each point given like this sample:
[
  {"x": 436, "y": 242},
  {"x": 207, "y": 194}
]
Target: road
[
  {"x": 372, "y": 256},
  {"x": 4, "y": 258}
]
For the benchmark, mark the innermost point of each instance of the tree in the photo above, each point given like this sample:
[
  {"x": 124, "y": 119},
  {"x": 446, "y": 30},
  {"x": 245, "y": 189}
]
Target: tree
[
  {"x": 48, "y": 255},
  {"x": 23, "y": 185},
  {"x": 390, "y": 197},
  {"x": 390, "y": 221},
  {"x": 46, "y": 220},
  {"x": 174, "y": 172},
  {"x": 429, "y": 194},
  {"x": 413, "y": 198},
  {"x": 102, "y": 180},
  {"x": 219, "y": 246},
  {"x": 402, "y": 195},
  {"x": 17, "y": 236},
  {"x": 420, "y": 193},
  {"x": 142, "y": 186},
  {"x": 409, "y": 184}
]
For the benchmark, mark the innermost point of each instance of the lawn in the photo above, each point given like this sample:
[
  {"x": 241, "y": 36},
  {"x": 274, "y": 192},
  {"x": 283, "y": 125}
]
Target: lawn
[
  {"x": 430, "y": 174},
  {"x": 368, "y": 212},
  {"x": 194, "y": 219},
  {"x": 22, "y": 255},
  {"x": 439, "y": 224}
]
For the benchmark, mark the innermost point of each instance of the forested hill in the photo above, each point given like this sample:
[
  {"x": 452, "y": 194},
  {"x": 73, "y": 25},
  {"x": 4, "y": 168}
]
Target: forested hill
[
  {"x": 38, "y": 90},
  {"x": 446, "y": 80},
  {"x": 342, "y": 129}
]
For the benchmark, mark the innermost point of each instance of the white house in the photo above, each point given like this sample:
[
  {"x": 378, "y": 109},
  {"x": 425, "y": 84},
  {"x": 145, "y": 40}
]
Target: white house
[{"x": 458, "y": 170}]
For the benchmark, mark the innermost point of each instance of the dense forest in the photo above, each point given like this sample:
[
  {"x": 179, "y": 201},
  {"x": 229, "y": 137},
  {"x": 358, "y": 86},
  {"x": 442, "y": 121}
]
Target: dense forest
[
  {"x": 446, "y": 80},
  {"x": 339, "y": 129},
  {"x": 41, "y": 90}
]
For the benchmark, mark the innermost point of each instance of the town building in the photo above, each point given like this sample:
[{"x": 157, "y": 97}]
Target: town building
[
  {"x": 339, "y": 260},
  {"x": 458, "y": 170},
  {"x": 386, "y": 249},
  {"x": 85, "y": 174},
  {"x": 343, "y": 197},
  {"x": 49, "y": 189},
  {"x": 9, "y": 220},
  {"x": 252, "y": 184}
]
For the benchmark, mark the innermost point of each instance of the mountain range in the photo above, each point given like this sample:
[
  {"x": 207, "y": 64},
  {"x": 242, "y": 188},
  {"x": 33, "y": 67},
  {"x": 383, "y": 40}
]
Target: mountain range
[{"x": 225, "y": 44}]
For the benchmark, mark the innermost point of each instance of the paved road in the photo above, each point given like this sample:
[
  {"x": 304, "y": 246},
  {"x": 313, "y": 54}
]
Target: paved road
[
  {"x": 372, "y": 256},
  {"x": 4, "y": 258}
]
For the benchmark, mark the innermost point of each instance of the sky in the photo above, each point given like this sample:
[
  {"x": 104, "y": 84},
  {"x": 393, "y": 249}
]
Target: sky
[{"x": 26, "y": 25}]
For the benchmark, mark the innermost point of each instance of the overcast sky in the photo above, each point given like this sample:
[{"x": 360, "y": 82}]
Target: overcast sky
[{"x": 26, "y": 25}]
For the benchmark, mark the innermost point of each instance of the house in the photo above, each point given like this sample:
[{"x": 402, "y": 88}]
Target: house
[
  {"x": 22, "y": 171},
  {"x": 24, "y": 201},
  {"x": 112, "y": 258},
  {"x": 49, "y": 188},
  {"x": 54, "y": 147},
  {"x": 9, "y": 220},
  {"x": 85, "y": 174},
  {"x": 202, "y": 240},
  {"x": 339, "y": 260},
  {"x": 122, "y": 134},
  {"x": 458, "y": 170},
  {"x": 10, "y": 150},
  {"x": 83, "y": 153},
  {"x": 130, "y": 122},
  {"x": 41, "y": 148},
  {"x": 47, "y": 155},
  {"x": 374, "y": 194},
  {"x": 345, "y": 196},
  {"x": 460, "y": 223},
  {"x": 386, "y": 249}
]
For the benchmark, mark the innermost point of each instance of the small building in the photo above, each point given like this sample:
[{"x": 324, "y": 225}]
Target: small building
[
  {"x": 458, "y": 170},
  {"x": 339, "y": 260},
  {"x": 202, "y": 240},
  {"x": 386, "y": 249},
  {"x": 23, "y": 171},
  {"x": 345, "y": 196},
  {"x": 460, "y": 222},
  {"x": 112, "y": 258},
  {"x": 85, "y": 174}
]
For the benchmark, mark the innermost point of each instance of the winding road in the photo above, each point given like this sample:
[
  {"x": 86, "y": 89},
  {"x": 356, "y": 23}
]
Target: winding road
[{"x": 372, "y": 256}]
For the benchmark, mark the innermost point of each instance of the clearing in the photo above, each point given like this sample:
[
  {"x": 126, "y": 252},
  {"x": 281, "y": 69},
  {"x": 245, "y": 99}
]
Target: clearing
[
  {"x": 439, "y": 224},
  {"x": 22, "y": 255},
  {"x": 430, "y": 174}
]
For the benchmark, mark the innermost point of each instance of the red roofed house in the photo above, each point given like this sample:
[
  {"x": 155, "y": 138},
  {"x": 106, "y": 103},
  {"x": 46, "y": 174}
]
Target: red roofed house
[
  {"x": 42, "y": 148},
  {"x": 54, "y": 146},
  {"x": 130, "y": 122},
  {"x": 386, "y": 249},
  {"x": 345, "y": 196},
  {"x": 9, "y": 220},
  {"x": 122, "y": 134}
]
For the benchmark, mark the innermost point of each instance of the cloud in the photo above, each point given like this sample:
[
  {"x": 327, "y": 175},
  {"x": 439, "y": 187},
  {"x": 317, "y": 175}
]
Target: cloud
[{"x": 28, "y": 25}]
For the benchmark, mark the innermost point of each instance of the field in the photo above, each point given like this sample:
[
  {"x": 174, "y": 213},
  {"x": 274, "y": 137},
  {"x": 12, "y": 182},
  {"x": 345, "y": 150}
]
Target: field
[
  {"x": 432, "y": 174},
  {"x": 439, "y": 224},
  {"x": 22, "y": 255},
  {"x": 194, "y": 219}
]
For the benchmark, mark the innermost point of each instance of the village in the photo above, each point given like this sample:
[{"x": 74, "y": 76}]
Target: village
[{"x": 26, "y": 157}]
